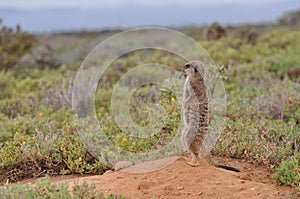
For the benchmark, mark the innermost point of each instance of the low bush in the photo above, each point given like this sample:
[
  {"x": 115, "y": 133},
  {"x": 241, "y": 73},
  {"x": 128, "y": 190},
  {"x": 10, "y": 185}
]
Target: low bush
[{"x": 45, "y": 189}]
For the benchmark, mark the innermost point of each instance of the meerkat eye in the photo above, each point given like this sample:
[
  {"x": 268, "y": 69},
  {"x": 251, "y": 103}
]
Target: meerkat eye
[{"x": 187, "y": 66}]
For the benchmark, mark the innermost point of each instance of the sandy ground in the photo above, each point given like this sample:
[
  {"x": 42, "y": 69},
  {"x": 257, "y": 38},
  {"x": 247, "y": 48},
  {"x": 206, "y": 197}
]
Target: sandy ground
[{"x": 179, "y": 180}]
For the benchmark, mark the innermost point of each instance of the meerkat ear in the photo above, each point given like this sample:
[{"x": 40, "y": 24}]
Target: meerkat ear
[{"x": 195, "y": 69}]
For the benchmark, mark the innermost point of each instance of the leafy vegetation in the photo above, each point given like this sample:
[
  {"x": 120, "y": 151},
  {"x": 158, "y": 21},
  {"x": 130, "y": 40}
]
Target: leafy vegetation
[
  {"x": 288, "y": 173},
  {"x": 14, "y": 44},
  {"x": 44, "y": 189}
]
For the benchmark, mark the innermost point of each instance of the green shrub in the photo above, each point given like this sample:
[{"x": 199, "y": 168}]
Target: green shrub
[
  {"x": 45, "y": 189},
  {"x": 22, "y": 125},
  {"x": 51, "y": 151},
  {"x": 7, "y": 83},
  {"x": 265, "y": 141},
  {"x": 14, "y": 44},
  {"x": 289, "y": 172}
]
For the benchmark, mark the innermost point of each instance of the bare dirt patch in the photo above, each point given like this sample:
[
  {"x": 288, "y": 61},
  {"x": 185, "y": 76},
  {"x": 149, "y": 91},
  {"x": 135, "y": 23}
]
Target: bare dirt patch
[{"x": 179, "y": 180}]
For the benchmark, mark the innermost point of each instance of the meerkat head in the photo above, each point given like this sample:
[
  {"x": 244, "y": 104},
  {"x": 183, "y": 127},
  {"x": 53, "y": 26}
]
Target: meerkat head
[{"x": 194, "y": 69}]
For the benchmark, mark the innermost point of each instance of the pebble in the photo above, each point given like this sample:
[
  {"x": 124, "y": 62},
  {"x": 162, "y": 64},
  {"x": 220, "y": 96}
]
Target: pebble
[{"x": 180, "y": 187}]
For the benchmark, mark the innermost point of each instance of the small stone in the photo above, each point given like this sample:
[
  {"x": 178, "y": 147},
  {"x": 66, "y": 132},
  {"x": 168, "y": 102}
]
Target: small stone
[
  {"x": 143, "y": 186},
  {"x": 199, "y": 193},
  {"x": 180, "y": 187},
  {"x": 121, "y": 176},
  {"x": 241, "y": 189},
  {"x": 242, "y": 181}
]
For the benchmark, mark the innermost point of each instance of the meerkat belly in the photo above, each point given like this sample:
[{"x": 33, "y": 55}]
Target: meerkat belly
[
  {"x": 192, "y": 120},
  {"x": 198, "y": 127}
]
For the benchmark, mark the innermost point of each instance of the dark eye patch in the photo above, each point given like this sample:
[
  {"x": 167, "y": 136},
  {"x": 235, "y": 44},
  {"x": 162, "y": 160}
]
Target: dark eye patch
[{"x": 187, "y": 66}]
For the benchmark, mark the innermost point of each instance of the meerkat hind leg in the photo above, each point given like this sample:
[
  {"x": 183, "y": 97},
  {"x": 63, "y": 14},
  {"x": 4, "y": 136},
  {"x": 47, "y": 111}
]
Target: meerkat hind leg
[{"x": 195, "y": 160}]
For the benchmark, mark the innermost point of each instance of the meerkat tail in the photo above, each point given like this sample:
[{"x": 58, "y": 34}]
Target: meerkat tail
[
  {"x": 209, "y": 159},
  {"x": 227, "y": 168}
]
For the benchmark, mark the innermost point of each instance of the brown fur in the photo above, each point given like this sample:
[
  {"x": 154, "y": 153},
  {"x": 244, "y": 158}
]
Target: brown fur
[
  {"x": 195, "y": 110},
  {"x": 215, "y": 32}
]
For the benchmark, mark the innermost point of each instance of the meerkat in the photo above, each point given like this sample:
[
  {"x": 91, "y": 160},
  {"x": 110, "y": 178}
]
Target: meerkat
[{"x": 196, "y": 113}]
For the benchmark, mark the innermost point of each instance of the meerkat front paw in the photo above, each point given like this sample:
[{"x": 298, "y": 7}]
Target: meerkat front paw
[{"x": 193, "y": 164}]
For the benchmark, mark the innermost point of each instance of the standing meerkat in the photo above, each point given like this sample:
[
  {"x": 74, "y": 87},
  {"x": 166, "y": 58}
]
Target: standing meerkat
[
  {"x": 196, "y": 113},
  {"x": 195, "y": 107}
]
